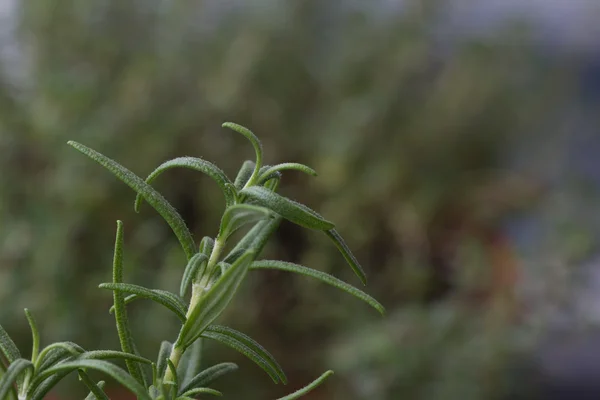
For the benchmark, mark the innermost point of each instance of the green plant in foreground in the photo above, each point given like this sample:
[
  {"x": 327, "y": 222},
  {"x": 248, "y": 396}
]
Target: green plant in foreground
[{"x": 213, "y": 275}]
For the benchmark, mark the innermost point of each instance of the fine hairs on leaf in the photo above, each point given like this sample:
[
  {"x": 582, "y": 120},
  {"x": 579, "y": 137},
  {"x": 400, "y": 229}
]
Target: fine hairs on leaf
[{"x": 214, "y": 276}]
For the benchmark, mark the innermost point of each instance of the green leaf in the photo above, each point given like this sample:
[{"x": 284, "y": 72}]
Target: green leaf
[
  {"x": 163, "y": 356},
  {"x": 173, "y": 370},
  {"x": 322, "y": 276},
  {"x": 56, "y": 352},
  {"x": 190, "y": 362},
  {"x": 207, "y": 245},
  {"x": 288, "y": 209},
  {"x": 96, "y": 392},
  {"x": 162, "y": 297},
  {"x": 8, "y": 347},
  {"x": 244, "y": 174},
  {"x": 109, "y": 369},
  {"x": 35, "y": 333},
  {"x": 255, "y": 143},
  {"x": 213, "y": 302},
  {"x": 194, "y": 268},
  {"x": 255, "y": 240},
  {"x": 347, "y": 253},
  {"x": 40, "y": 391},
  {"x": 12, "y": 394},
  {"x": 155, "y": 199},
  {"x": 208, "y": 376},
  {"x": 127, "y": 300},
  {"x": 269, "y": 172},
  {"x": 109, "y": 354},
  {"x": 196, "y": 164},
  {"x": 121, "y": 320},
  {"x": 12, "y": 375},
  {"x": 305, "y": 390},
  {"x": 197, "y": 391},
  {"x": 249, "y": 347},
  {"x": 240, "y": 214}
]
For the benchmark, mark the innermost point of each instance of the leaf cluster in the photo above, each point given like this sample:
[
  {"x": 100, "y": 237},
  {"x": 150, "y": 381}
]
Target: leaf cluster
[{"x": 213, "y": 276}]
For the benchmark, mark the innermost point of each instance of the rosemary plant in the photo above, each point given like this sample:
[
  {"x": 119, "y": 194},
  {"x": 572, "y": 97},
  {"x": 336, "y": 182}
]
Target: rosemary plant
[{"x": 213, "y": 275}]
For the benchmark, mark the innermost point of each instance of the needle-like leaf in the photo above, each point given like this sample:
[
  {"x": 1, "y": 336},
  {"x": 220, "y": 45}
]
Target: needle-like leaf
[
  {"x": 197, "y": 391},
  {"x": 287, "y": 208},
  {"x": 155, "y": 199},
  {"x": 112, "y": 354},
  {"x": 193, "y": 269},
  {"x": 322, "y": 276},
  {"x": 163, "y": 356},
  {"x": 305, "y": 390},
  {"x": 213, "y": 302},
  {"x": 269, "y": 172},
  {"x": 244, "y": 174},
  {"x": 111, "y": 370},
  {"x": 240, "y": 214},
  {"x": 196, "y": 164},
  {"x": 347, "y": 253},
  {"x": 12, "y": 375},
  {"x": 122, "y": 322},
  {"x": 8, "y": 347},
  {"x": 255, "y": 143},
  {"x": 35, "y": 334},
  {"x": 208, "y": 376},
  {"x": 56, "y": 352},
  {"x": 189, "y": 365},
  {"x": 249, "y": 347},
  {"x": 96, "y": 392},
  {"x": 162, "y": 297}
]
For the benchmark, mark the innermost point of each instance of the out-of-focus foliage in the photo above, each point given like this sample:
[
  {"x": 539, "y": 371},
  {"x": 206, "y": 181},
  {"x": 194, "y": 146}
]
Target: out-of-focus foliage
[{"x": 408, "y": 127}]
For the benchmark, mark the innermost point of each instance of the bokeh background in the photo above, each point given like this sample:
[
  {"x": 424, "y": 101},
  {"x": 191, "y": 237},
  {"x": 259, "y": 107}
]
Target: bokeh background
[{"x": 457, "y": 149}]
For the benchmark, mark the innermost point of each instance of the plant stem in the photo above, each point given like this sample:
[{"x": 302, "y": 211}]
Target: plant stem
[{"x": 197, "y": 291}]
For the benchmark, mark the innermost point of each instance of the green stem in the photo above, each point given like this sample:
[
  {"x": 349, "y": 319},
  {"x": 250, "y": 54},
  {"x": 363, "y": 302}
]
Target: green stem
[{"x": 197, "y": 291}]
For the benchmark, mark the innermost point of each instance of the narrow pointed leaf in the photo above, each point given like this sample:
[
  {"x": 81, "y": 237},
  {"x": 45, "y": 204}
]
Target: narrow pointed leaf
[
  {"x": 56, "y": 352},
  {"x": 347, "y": 253},
  {"x": 197, "y": 391},
  {"x": 305, "y": 390},
  {"x": 121, "y": 320},
  {"x": 240, "y": 214},
  {"x": 265, "y": 177},
  {"x": 249, "y": 347},
  {"x": 162, "y": 297},
  {"x": 287, "y": 208},
  {"x": 173, "y": 371},
  {"x": 244, "y": 174},
  {"x": 96, "y": 392},
  {"x": 255, "y": 240},
  {"x": 214, "y": 301},
  {"x": 322, "y": 276},
  {"x": 255, "y": 143},
  {"x": 155, "y": 199},
  {"x": 39, "y": 391},
  {"x": 208, "y": 376},
  {"x": 193, "y": 269},
  {"x": 112, "y": 354},
  {"x": 206, "y": 245},
  {"x": 12, "y": 394},
  {"x": 109, "y": 369},
  {"x": 196, "y": 164},
  {"x": 35, "y": 334},
  {"x": 11, "y": 376},
  {"x": 269, "y": 172},
  {"x": 127, "y": 300},
  {"x": 189, "y": 365},
  {"x": 163, "y": 356},
  {"x": 8, "y": 347}
]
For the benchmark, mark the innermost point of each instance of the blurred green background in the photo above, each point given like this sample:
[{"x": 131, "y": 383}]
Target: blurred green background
[{"x": 455, "y": 149}]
